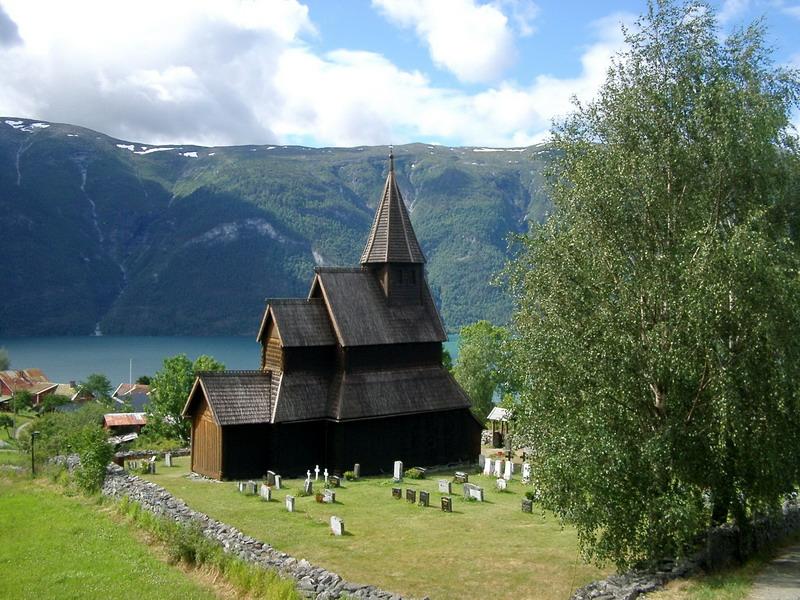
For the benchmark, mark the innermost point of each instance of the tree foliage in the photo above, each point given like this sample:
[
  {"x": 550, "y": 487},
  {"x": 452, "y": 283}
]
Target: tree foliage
[
  {"x": 479, "y": 366},
  {"x": 52, "y": 401},
  {"x": 91, "y": 444},
  {"x": 170, "y": 389},
  {"x": 21, "y": 400},
  {"x": 98, "y": 386},
  {"x": 656, "y": 322}
]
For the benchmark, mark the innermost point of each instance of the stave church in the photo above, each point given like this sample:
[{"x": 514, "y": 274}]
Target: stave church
[{"x": 350, "y": 374}]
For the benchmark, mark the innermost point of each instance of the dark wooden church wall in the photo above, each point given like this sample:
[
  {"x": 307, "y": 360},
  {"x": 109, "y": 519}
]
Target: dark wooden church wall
[
  {"x": 425, "y": 439},
  {"x": 296, "y": 447},
  {"x": 313, "y": 358},
  {"x": 391, "y": 356},
  {"x": 245, "y": 451}
]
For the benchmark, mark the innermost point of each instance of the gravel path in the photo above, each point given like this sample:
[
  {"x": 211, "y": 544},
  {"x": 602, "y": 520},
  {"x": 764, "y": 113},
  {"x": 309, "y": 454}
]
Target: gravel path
[{"x": 780, "y": 579}]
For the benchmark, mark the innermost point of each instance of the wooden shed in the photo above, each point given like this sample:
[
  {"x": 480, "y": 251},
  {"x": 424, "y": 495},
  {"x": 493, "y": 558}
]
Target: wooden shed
[{"x": 351, "y": 373}]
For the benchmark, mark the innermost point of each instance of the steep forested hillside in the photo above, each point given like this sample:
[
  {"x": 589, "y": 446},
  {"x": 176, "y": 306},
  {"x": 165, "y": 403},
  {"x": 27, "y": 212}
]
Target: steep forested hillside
[{"x": 158, "y": 240}]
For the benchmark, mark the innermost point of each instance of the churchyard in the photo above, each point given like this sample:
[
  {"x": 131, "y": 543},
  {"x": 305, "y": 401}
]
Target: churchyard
[{"x": 485, "y": 549}]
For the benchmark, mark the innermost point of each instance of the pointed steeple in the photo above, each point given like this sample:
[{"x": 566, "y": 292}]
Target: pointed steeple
[{"x": 392, "y": 239}]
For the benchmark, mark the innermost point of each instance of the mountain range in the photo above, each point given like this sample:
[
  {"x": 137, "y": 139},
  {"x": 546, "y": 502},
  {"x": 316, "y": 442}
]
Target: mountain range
[{"x": 135, "y": 239}]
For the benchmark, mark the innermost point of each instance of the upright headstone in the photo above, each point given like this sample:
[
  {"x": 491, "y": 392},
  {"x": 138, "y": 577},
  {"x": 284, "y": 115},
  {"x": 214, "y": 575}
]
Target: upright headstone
[
  {"x": 397, "y": 493},
  {"x": 252, "y": 488},
  {"x": 398, "y": 470},
  {"x": 487, "y": 467},
  {"x": 308, "y": 487},
  {"x": 316, "y": 473},
  {"x": 357, "y": 470},
  {"x": 508, "y": 471},
  {"x": 278, "y": 482},
  {"x": 447, "y": 504},
  {"x": 461, "y": 477},
  {"x": 326, "y": 476},
  {"x": 168, "y": 459},
  {"x": 476, "y": 493},
  {"x": 498, "y": 468},
  {"x": 266, "y": 492},
  {"x": 481, "y": 461},
  {"x": 467, "y": 489},
  {"x": 335, "y": 481},
  {"x": 527, "y": 505},
  {"x": 241, "y": 486},
  {"x": 329, "y": 496},
  {"x": 270, "y": 477},
  {"x": 445, "y": 487},
  {"x": 411, "y": 496},
  {"x": 424, "y": 498},
  {"x": 290, "y": 503},
  {"x": 502, "y": 484},
  {"x": 526, "y": 473},
  {"x": 337, "y": 526}
]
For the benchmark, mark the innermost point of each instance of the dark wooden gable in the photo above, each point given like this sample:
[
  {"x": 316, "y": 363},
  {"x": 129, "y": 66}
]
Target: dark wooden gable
[{"x": 234, "y": 397}]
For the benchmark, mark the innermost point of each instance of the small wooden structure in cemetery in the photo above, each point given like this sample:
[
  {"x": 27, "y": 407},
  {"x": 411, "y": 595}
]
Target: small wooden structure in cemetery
[
  {"x": 499, "y": 432},
  {"x": 350, "y": 374}
]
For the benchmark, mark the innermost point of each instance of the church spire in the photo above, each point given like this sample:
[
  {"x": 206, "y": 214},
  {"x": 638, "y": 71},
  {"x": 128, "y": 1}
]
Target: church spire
[{"x": 392, "y": 239}]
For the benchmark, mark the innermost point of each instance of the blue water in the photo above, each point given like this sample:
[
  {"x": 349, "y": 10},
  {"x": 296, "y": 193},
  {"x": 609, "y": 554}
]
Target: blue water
[{"x": 65, "y": 359}]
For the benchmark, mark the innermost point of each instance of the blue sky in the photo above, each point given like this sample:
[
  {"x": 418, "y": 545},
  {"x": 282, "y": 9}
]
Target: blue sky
[{"x": 321, "y": 72}]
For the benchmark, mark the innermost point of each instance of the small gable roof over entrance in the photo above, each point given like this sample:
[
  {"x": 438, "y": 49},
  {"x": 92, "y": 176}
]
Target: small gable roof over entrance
[
  {"x": 235, "y": 397},
  {"x": 363, "y": 317}
]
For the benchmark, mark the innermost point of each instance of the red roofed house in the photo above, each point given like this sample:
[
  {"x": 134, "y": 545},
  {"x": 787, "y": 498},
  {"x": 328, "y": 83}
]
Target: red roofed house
[{"x": 350, "y": 374}]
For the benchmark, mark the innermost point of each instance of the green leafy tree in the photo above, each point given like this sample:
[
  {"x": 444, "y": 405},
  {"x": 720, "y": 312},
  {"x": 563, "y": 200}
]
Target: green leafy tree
[
  {"x": 5, "y": 361},
  {"x": 98, "y": 386},
  {"x": 21, "y": 400},
  {"x": 447, "y": 360},
  {"x": 170, "y": 389},
  {"x": 53, "y": 401},
  {"x": 656, "y": 322},
  {"x": 479, "y": 367},
  {"x": 143, "y": 380},
  {"x": 7, "y": 422},
  {"x": 91, "y": 444}
]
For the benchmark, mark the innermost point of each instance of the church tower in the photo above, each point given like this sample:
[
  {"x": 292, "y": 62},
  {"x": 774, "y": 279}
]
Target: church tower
[{"x": 392, "y": 253}]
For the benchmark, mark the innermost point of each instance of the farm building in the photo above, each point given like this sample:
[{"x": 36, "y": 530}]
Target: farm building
[{"x": 350, "y": 374}]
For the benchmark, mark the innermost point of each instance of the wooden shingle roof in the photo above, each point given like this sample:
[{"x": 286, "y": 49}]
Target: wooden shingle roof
[
  {"x": 392, "y": 238},
  {"x": 301, "y": 322},
  {"x": 302, "y": 397},
  {"x": 362, "y": 316},
  {"x": 235, "y": 397}
]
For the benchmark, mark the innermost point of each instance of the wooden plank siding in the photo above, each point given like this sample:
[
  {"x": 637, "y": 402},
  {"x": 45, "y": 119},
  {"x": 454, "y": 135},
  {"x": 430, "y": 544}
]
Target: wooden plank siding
[
  {"x": 206, "y": 443},
  {"x": 273, "y": 353}
]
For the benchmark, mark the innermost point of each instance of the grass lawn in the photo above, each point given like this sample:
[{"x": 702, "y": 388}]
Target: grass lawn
[
  {"x": 482, "y": 550},
  {"x": 59, "y": 547}
]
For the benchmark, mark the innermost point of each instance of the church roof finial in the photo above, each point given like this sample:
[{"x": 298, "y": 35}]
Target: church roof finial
[{"x": 391, "y": 158}]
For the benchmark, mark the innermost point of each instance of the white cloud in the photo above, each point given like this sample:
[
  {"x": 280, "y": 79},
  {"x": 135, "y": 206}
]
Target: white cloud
[
  {"x": 236, "y": 72},
  {"x": 473, "y": 41},
  {"x": 793, "y": 11},
  {"x": 731, "y": 9}
]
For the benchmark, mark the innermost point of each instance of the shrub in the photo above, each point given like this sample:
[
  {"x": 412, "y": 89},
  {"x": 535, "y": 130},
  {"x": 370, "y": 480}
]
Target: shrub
[
  {"x": 414, "y": 473},
  {"x": 95, "y": 454},
  {"x": 349, "y": 475}
]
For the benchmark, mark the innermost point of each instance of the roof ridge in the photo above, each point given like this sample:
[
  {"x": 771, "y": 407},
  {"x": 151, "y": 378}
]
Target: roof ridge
[{"x": 232, "y": 372}]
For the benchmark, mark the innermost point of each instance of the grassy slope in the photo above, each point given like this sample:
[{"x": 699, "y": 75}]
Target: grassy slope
[
  {"x": 491, "y": 549},
  {"x": 57, "y": 547}
]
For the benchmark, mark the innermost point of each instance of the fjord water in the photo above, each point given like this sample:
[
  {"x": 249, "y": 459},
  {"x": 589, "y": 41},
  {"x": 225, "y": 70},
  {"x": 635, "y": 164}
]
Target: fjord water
[{"x": 65, "y": 359}]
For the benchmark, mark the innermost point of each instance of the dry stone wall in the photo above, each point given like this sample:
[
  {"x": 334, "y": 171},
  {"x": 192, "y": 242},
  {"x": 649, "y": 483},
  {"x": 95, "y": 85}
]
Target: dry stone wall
[{"x": 312, "y": 581}]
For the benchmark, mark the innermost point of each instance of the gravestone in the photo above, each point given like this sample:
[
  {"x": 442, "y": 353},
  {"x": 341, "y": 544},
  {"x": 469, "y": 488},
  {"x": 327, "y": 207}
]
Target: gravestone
[
  {"x": 329, "y": 496},
  {"x": 335, "y": 481},
  {"x": 308, "y": 487},
  {"x": 151, "y": 467},
  {"x": 445, "y": 487},
  {"x": 508, "y": 471},
  {"x": 168, "y": 459},
  {"x": 447, "y": 504},
  {"x": 266, "y": 492},
  {"x": 397, "y": 493},
  {"x": 481, "y": 461},
  {"x": 252, "y": 488},
  {"x": 240, "y": 486},
  {"x": 467, "y": 488},
  {"x": 270, "y": 477},
  {"x": 487, "y": 467},
  {"x": 337, "y": 526},
  {"x": 357, "y": 470},
  {"x": 398, "y": 470},
  {"x": 326, "y": 476},
  {"x": 290, "y": 503},
  {"x": 498, "y": 468},
  {"x": 316, "y": 473},
  {"x": 502, "y": 484},
  {"x": 461, "y": 477},
  {"x": 411, "y": 496},
  {"x": 526, "y": 473},
  {"x": 527, "y": 505},
  {"x": 278, "y": 482},
  {"x": 424, "y": 498},
  {"x": 476, "y": 493}
]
